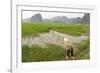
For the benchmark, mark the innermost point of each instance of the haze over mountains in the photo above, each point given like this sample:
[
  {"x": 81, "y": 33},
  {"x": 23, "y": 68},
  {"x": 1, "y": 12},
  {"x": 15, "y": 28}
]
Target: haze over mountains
[{"x": 59, "y": 19}]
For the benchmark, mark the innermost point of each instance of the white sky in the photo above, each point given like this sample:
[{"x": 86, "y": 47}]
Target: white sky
[{"x": 48, "y": 15}]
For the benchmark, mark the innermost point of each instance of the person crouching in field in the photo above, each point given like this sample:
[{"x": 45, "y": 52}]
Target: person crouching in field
[
  {"x": 70, "y": 53},
  {"x": 69, "y": 50}
]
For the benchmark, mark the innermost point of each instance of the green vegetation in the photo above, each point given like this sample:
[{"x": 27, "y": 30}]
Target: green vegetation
[
  {"x": 83, "y": 50},
  {"x": 36, "y": 53},
  {"x": 85, "y": 54},
  {"x": 35, "y": 28},
  {"x": 53, "y": 52}
]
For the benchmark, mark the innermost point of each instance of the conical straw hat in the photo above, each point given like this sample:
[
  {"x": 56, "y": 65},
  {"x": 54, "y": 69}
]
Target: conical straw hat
[{"x": 66, "y": 39}]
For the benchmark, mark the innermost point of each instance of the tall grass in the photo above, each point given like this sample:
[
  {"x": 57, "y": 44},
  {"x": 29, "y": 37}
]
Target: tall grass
[
  {"x": 83, "y": 50},
  {"x": 36, "y": 53},
  {"x": 53, "y": 52}
]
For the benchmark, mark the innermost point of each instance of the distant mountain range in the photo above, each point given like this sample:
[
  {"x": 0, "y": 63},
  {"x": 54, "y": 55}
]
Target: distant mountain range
[{"x": 59, "y": 19}]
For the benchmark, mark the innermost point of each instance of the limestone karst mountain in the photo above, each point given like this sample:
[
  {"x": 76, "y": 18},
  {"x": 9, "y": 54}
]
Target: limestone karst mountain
[
  {"x": 36, "y": 18},
  {"x": 86, "y": 18}
]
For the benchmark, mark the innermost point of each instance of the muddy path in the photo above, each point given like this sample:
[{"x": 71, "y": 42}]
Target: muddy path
[{"x": 51, "y": 37}]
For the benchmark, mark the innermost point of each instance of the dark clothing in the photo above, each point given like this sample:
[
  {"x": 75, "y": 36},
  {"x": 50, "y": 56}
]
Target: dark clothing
[{"x": 70, "y": 52}]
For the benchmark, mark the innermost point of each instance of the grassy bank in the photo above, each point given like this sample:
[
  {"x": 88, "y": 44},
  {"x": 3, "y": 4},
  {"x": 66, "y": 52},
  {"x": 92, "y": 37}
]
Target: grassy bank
[
  {"x": 83, "y": 50},
  {"x": 54, "y": 52},
  {"x": 36, "y": 53}
]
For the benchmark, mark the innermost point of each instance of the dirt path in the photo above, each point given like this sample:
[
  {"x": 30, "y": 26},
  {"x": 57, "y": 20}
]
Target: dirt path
[{"x": 51, "y": 38}]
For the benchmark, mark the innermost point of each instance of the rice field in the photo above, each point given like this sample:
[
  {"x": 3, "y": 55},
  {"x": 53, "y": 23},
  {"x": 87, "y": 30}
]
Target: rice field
[{"x": 35, "y": 28}]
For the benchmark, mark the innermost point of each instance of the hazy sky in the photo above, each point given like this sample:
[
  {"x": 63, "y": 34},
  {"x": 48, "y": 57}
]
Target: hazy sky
[{"x": 47, "y": 15}]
